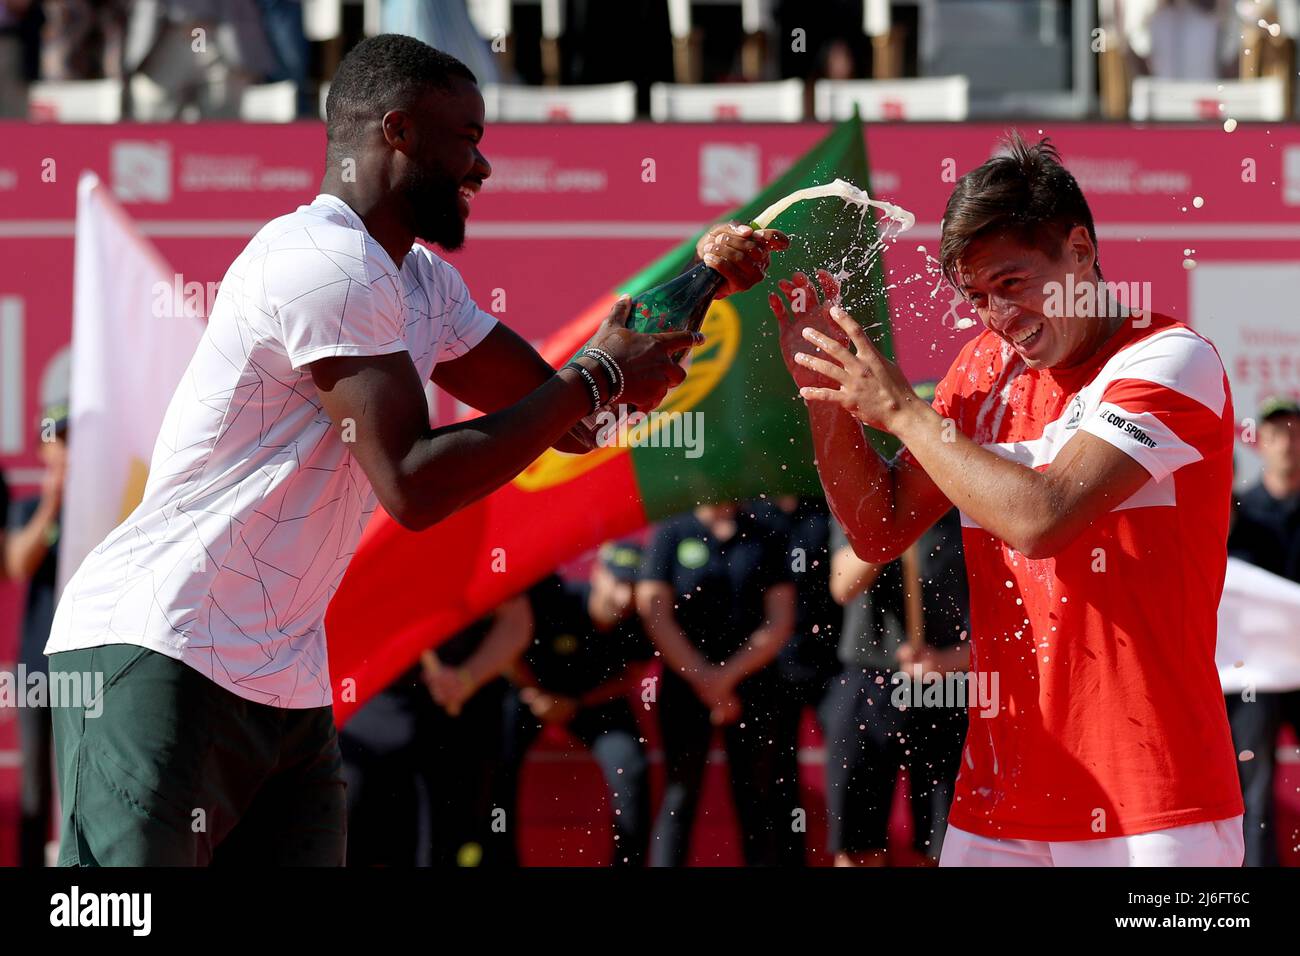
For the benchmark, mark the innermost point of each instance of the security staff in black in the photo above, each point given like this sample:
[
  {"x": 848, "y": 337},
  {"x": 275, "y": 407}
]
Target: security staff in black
[
  {"x": 421, "y": 757},
  {"x": 1266, "y": 532},
  {"x": 581, "y": 667},
  {"x": 718, "y": 602},
  {"x": 868, "y": 736},
  {"x": 809, "y": 659}
]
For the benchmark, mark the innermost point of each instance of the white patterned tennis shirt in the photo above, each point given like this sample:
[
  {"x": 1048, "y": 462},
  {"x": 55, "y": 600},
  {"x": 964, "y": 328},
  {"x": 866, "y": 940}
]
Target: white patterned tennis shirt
[{"x": 254, "y": 504}]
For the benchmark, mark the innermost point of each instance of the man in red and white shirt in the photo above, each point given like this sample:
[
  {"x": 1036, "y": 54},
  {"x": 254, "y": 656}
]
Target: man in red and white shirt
[{"x": 1089, "y": 450}]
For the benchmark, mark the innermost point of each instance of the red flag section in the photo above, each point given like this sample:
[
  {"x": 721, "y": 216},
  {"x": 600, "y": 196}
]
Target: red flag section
[{"x": 407, "y": 591}]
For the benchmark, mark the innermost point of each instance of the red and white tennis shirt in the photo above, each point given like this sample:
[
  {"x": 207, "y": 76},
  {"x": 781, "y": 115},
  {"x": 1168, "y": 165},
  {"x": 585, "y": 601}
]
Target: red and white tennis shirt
[{"x": 1110, "y": 719}]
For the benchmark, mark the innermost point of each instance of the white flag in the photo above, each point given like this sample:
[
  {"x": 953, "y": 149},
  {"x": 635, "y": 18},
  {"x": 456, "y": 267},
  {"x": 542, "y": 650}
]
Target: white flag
[
  {"x": 1259, "y": 631},
  {"x": 130, "y": 347}
]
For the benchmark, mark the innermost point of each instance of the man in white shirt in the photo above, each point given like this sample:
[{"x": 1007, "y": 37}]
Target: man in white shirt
[{"x": 213, "y": 739}]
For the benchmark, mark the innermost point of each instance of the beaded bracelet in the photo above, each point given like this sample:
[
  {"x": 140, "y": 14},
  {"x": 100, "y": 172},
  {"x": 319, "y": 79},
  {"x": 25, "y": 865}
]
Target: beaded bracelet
[{"x": 611, "y": 368}]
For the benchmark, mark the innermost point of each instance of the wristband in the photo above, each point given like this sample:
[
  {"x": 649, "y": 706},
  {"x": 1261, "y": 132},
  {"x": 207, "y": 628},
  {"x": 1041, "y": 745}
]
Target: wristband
[
  {"x": 590, "y": 379},
  {"x": 611, "y": 368}
]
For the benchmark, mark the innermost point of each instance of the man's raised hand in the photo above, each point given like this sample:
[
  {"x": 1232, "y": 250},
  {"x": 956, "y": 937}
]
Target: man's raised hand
[
  {"x": 740, "y": 253},
  {"x": 832, "y": 359},
  {"x": 807, "y": 309}
]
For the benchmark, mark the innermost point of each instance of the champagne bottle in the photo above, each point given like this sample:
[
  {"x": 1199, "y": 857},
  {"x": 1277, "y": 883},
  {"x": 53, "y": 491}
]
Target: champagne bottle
[{"x": 680, "y": 303}]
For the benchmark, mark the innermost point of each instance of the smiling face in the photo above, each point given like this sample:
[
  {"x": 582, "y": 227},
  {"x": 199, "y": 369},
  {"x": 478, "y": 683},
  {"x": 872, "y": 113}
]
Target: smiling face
[
  {"x": 444, "y": 169},
  {"x": 1010, "y": 283}
]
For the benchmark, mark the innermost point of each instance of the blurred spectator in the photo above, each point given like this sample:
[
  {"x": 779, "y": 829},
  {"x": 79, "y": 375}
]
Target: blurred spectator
[
  {"x": 868, "y": 737},
  {"x": 200, "y": 53},
  {"x": 578, "y": 673},
  {"x": 718, "y": 603},
  {"x": 83, "y": 39},
  {"x": 833, "y": 45},
  {"x": 445, "y": 26},
  {"x": 838, "y": 62},
  {"x": 436, "y": 730},
  {"x": 461, "y": 745},
  {"x": 1182, "y": 39},
  {"x": 292, "y": 55},
  {"x": 809, "y": 660},
  {"x": 19, "y": 52},
  {"x": 31, "y": 554},
  {"x": 1266, "y": 533},
  {"x": 382, "y": 763}
]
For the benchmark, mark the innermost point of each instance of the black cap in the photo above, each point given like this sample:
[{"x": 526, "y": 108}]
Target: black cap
[
  {"x": 622, "y": 559},
  {"x": 1278, "y": 405}
]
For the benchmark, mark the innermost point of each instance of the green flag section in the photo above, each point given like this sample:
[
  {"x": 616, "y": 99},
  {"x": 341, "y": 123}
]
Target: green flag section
[{"x": 734, "y": 429}]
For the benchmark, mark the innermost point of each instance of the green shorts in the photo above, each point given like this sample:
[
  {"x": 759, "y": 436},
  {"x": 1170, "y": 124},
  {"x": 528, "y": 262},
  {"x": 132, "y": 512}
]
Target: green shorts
[{"x": 165, "y": 768}]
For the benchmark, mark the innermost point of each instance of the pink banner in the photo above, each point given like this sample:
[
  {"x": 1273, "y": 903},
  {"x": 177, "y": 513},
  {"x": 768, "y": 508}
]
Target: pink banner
[{"x": 1202, "y": 223}]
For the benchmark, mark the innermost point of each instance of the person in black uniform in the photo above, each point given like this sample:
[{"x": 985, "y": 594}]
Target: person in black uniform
[
  {"x": 461, "y": 741},
  {"x": 31, "y": 552},
  {"x": 867, "y": 737},
  {"x": 1266, "y": 532},
  {"x": 419, "y": 757},
  {"x": 1266, "y": 529},
  {"x": 579, "y": 670},
  {"x": 718, "y": 602},
  {"x": 809, "y": 659}
]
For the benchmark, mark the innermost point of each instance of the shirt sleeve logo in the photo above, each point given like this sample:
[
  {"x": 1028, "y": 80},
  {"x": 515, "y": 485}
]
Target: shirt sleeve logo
[{"x": 1128, "y": 428}]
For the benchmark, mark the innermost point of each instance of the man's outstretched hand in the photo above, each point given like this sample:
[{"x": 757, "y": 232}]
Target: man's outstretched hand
[
  {"x": 741, "y": 253},
  {"x": 832, "y": 359}
]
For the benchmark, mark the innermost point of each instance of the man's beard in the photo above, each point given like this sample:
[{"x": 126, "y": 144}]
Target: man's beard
[{"x": 434, "y": 202}]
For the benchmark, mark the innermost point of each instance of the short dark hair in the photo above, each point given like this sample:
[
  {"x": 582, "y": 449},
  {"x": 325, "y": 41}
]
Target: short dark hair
[
  {"x": 381, "y": 73},
  {"x": 1024, "y": 191}
]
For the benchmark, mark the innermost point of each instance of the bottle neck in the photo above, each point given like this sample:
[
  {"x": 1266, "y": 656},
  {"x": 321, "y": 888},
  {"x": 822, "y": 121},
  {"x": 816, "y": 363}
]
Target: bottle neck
[{"x": 708, "y": 277}]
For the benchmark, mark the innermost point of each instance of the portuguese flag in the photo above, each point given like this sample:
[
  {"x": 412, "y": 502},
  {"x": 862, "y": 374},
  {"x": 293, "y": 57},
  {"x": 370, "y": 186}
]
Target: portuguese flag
[{"x": 742, "y": 432}]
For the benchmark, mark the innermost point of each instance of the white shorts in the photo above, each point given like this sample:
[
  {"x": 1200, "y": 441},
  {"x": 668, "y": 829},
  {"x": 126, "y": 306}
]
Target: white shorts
[{"x": 1201, "y": 844}]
